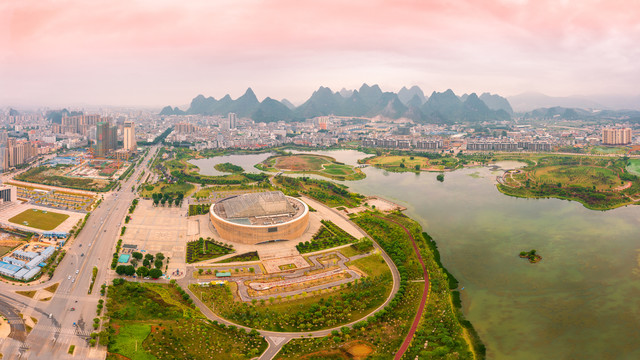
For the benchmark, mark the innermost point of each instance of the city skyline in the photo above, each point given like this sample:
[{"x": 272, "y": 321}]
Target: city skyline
[{"x": 158, "y": 53}]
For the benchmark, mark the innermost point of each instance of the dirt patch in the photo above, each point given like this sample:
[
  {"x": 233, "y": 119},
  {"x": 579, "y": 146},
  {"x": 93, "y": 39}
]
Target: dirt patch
[
  {"x": 156, "y": 328},
  {"x": 116, "y": 331},
  {"x": 358, "y": 349},
  {"x": 112, "y": 356}
]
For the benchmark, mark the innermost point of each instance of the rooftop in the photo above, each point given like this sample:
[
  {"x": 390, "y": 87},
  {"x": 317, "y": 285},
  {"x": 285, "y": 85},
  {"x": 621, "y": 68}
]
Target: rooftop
[{"x": 264, "y": 208}]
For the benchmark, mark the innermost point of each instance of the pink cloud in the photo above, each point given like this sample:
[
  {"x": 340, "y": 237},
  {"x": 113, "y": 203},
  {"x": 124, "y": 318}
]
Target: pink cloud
[{"x": 519, "y": 42}]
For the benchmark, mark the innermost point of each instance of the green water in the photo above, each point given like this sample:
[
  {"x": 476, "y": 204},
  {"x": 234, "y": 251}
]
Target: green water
[{"x": 581, "y": 302}]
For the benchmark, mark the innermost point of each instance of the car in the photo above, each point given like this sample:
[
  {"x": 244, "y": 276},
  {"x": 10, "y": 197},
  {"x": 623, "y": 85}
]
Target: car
[
  {"x": 74, "y": 280},
  {"x": 77, "y": 271},
  {"x": 80, "y": 245},
  {"x": 82, "y": 254},
  {"x": 69, "y": 278}
]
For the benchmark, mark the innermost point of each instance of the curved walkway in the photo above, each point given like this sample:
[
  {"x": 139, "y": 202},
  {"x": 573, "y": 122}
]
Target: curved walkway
[
  {"x": 425, "y": 294},
  {"x": 277, "y": 339}
]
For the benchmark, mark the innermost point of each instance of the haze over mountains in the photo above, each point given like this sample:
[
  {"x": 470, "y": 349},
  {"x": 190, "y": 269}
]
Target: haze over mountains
[{"x": 369, "y": 101}]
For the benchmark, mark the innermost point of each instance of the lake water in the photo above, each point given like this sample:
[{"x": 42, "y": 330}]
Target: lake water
[
  {"x": 245, "y": 161},
  {"x": 582, "y": 301}
]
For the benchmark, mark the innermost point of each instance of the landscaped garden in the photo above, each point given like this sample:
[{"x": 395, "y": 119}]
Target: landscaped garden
[
  {"x": 328, "y": 236},
  {"x": 306, "y": 311},
  {"x": 311, "y": 164},
  {"x": 159, "y": 321},
  {"x": 39, "y": 219},
  {"x": 202, "y": 249},
  {"x": 440, "y": 328},
  {"x": 327, "y": 192},
  {"x": 599, "y": 183}
]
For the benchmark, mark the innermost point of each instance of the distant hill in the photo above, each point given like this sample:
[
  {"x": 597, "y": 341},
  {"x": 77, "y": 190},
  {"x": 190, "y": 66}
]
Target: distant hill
[
  {"x": 288, "y": 104},
  {"x": 496, "y": 102},
  {"x": 168, "y": 110},
  {"x": 366, "y": 101},
  {"x": 532, "y": 100},
  {"x": 405, "y": 95}
]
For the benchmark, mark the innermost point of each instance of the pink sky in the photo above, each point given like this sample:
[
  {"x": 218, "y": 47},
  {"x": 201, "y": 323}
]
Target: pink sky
[{"x": 158, "y": 52}]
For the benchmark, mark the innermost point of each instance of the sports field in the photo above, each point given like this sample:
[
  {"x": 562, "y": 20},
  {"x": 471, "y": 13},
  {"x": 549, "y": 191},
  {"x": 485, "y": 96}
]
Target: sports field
[{"x": 39, "y": 219}]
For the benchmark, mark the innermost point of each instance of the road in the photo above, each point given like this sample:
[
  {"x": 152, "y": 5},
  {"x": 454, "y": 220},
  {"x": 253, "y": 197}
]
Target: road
[{"x": 52, "y": 335}]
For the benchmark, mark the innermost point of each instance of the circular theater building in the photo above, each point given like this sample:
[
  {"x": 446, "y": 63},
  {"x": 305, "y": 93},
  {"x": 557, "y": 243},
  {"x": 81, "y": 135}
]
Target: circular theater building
[{"x": 259, "y": 217}]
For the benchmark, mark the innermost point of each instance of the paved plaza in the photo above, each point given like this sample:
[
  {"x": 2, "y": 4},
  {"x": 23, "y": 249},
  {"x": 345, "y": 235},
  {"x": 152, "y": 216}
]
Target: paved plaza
[{"x": 159, "y": 229}]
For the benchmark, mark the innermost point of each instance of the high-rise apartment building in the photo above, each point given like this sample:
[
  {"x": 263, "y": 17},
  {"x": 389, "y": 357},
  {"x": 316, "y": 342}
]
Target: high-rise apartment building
[
  {"x": 233, "y": 118},
  {"x": 616, "y": 136},
  {"x": 106, "y": 139},
  {"x": 129, "y": 140}
]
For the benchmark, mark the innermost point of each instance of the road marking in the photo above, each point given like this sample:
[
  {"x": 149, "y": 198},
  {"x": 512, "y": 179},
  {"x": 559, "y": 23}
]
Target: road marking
[
  {"x": 65, "y": 331},
  {"x": 276, "y": 340}
]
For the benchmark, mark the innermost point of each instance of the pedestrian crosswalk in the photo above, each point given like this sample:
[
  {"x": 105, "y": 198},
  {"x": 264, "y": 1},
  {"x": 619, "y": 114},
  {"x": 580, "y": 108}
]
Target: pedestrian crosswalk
[{"x": 66, "y": 330}]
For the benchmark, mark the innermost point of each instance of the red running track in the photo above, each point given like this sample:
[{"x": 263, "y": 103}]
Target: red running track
[{"x": 425, "y": 294}]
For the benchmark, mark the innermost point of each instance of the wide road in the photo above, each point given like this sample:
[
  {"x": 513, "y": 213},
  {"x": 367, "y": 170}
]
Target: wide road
[{"x": 55, "y": 329}]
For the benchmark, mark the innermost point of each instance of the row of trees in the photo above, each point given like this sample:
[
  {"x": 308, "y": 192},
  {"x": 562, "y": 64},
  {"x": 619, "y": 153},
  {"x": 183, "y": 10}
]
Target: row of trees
[{"x": 162, "y": 199}]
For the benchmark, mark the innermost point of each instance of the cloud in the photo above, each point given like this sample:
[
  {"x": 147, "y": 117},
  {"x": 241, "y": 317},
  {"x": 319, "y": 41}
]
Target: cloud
[{"x": 167, "y": 49}]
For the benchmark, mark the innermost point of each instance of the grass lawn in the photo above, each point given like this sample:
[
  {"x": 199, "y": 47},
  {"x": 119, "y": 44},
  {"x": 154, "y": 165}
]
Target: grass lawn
[
  {"x": 393, "y": 162},
  {"x": 634, "y": 167},
  {"x": 373, "y": 265},
  {"x": 164, "y": 188},
  {"x": 587, "y": 176},
  {"x": 128, "y": 341},
  {"x": 39, "y": 219},
  {"x": 302, "y": 162},
  {"x": 154, "y": 321},
  {"x": 313, "y": 164}
]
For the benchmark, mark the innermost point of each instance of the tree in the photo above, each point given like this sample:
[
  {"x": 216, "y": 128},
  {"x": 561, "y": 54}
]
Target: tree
[
  {"x": 136, "y": 255},
  {"x": 142, "y": 271},
  {"x": 160, "y": 256},
  {"x": 158, "y": 264},
  {"x": 155, "y": 273},
  {"x": 129, "y": 270},
  {"x": 417, "y": 167},
  {"x": 148, "y": 257},
  {"x": 440, "y": 177},
  {"x": 120, "y": 269},
  {"x": 146, "y": 263}
]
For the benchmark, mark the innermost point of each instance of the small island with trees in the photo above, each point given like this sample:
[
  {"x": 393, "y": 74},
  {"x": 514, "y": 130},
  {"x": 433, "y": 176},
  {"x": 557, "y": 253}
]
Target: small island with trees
[
  {"x": 531, "y": 255},
  {"x": 228, "y": 168}
]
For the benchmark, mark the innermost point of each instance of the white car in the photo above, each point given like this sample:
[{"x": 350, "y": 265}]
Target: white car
[
  {"x": 77, "y": 271},
  {"x": 69, "y": 278}
]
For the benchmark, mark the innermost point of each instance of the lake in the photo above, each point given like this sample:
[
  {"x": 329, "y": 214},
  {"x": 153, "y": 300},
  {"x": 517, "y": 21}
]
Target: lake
[{"x": 582, "y": 301}]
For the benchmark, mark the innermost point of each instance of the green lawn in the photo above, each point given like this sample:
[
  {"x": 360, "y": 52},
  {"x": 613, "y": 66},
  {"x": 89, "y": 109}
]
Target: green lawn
[
  {"x": 128, "y": 341},
  {"x": 373, "y": 265},
  {"x": 588, "y": 176},
  {"x": 634, "y": 167},
  {"x": 154, "y": 321},
  {"x": 164, "y": 188},
  {"x": 39, "y": 219}
]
